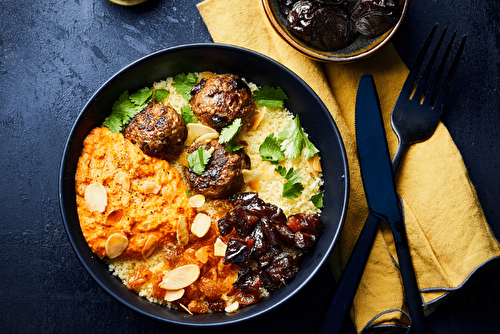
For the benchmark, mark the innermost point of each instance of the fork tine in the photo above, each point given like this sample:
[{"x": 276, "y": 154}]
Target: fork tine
[
  {"x": 430, "y": 94},
  {"x": 449, "y": 77},
  {"x": 412, "y": 76},
  {"x": 423, "y": 80}
]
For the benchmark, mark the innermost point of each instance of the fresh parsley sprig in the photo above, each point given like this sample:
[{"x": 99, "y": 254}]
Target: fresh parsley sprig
[
  {"x": 292, "y": 187},
  {"x": 198, "y": 160},
  {"x": 126, "y": 107},
  {"x": 183, "y": 83},
  {"x": 270, "y": 97},
  {"x": 228, "y": 136}
]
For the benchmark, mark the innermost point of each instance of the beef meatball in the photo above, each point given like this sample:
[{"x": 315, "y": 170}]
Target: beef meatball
[
  {"x": 159, "y": 131},
  {"x": 222, "y": 176},
  {"x": 218, "y": 100}
]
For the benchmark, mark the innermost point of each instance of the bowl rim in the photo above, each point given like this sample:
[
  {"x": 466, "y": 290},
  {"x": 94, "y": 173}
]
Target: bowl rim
[
  {"x": 86, "y": 261},
  {"x": 327, "y": 56}
]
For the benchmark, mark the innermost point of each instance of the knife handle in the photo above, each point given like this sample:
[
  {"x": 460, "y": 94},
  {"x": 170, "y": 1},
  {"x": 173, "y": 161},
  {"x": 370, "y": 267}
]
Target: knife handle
[
  {"x": 413, "y": 298},
  {"x": 348, "y": 284}
]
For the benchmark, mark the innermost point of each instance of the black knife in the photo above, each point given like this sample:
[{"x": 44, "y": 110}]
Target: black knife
[
  {"x": 348, "y": 284},
  {"x": 380, "y": 189}
]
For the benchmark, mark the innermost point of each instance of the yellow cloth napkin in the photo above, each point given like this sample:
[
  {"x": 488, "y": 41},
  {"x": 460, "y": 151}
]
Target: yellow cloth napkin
[{"x": 447, "y": 232}]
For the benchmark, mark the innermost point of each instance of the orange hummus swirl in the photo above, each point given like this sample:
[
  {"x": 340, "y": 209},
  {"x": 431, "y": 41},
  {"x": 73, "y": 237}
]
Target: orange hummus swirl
[{"x": 143, "y": 201}]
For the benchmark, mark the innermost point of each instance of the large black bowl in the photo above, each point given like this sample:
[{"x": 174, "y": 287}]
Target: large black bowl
[{"x": 258, "y": 69}]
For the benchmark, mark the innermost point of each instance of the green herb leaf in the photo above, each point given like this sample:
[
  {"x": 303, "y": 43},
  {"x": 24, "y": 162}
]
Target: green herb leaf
[
  {"x": 292, "y": 187},
  {"x": 229, "y": 132},
  {"x": 122, "y": 112},
  {"x": 183, "y": 83},
  {"x": 187, "y": 114},
  {"x": 270, "y": 150},
  {"x": 160, "y": 94},
  {"x": 309, "y": 148},
  {"x": 142, "y": 96},
  {"x": 292, "y": 139},
  {"x": 270, "y": 97},
  {"x": 317, "y": 200},
  {"x": 198, "y": 160}
]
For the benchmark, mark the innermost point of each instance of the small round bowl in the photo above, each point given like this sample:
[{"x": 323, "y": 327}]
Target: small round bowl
[
  {"x": 255, "y": 68},
  {"x": 360, "y": 48}
]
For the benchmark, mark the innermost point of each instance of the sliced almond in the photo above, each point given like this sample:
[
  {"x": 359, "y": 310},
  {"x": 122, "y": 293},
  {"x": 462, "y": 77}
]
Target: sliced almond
[
  {"x": 182, "y": 159},
  {"x": 185, "y": 308},
  {"x": 219, "y": 248},
  {"x": 195, "y": 131},
  {"x": 116, "y": 245},
  {"x": 123, "y": 179},
  {"x": 180, "y": 277},
  {"x": 173, "y": 295},
  {"x": 257, "y": 118},
  {"x": 197, "y": 201},
  {"x": 207, "y": 137},
  {"x": 206, "y": 75},
  {"x": 202, "y": 254},
  {"x": 114, "y": 217},
  {"x": 232, "y": 307},
  {"x": 150, "y": 246},
  {"x": 96, "y": 198},
  {"x": 201, "y": 224},
  {"x": 150, "y": 187},
  {"x": 182, "y": 231},
  {"x": 314, "y": 164}
]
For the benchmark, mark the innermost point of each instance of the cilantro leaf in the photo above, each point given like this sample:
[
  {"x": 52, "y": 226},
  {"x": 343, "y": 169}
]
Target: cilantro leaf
[
  {"x": 122, "y": 112},
  {"x": 270, "y": 97},
  {"x": 183, "y": 83},
  {"x": 142, "y": 96},
  {"x": 270, "y": 150},
  {"x": 309, "y": 147},
  {"x": 187, "y": 114},
  {"x": 292, "y": 187},
  {"x": 229, "y": 132},
  {"x": 292, "y": 139},
  {"x": 160, "y": 94},
  {"x": 198, "y": 160},
  {"x": 317, "y": 200}
]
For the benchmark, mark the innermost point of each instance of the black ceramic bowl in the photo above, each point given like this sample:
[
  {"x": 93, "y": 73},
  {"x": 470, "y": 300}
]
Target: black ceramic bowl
[{"x": 258, "y": 69}]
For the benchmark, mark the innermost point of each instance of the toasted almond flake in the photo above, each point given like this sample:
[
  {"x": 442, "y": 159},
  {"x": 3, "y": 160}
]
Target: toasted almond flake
[
  {"x": 182, "y": 231},
  {"x": 202, "y": 254},
  {"x": 114, "y": 217},
  {"x": 150, "y": 246},
  {"x": 150, "y": 187},
  {"x": 232, "y": 307},
  {"x": 116, "y": 245},
  {"x": 180, "y": 277},
  {"x": 219, "y": 248},
  {"x": 257, "y": 118},
  {"x": 206, "y": 74},
  {"x": 196, "y": 130},
  {"x": 123, "y": 179},
  {"x": 197, "y": 201},
  {"x": 201, "y": 224},
  {"x": 185, "y": 308},
  {"x": 173, "y": 295},
  {"x": 182, "y": 159},
  {"x": 314, "y": 164},
  {"x": 254, "y": 185},
  {"x": 251, "y": 175},
  {"x": 96, "y": 198},
  {"x": 168, "y": 193},
  {"x": 207, "y": 137}
]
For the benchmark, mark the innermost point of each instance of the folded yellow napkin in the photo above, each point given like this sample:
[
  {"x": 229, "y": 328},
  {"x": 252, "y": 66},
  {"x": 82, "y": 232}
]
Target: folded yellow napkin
[{"x": 447, "y": 232}]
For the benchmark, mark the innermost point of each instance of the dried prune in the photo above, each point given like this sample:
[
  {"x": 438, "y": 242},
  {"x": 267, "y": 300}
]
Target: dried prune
[{"x": 238, "y": 251}]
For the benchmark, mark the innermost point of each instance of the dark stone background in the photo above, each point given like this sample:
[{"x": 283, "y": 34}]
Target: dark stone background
[{"x": 55, "y": 54}]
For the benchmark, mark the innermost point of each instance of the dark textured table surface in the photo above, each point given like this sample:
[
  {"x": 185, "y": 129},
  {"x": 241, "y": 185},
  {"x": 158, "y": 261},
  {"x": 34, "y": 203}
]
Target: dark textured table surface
[{"x": 55, "y": 54}]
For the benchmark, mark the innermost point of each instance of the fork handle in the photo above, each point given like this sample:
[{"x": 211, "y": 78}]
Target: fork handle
[{"x": 400, "y": 152}]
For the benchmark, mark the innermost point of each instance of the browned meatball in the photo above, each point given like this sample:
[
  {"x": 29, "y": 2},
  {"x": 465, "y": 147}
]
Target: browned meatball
[
  {"x": 159, "y": 131},
  {"x": 222, "y": 176},
  {"x": 220, "y": 99}
]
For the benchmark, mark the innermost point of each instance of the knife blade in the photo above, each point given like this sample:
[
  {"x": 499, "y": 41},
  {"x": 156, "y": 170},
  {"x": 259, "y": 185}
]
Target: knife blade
[{"x": 380, "y": 190}]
